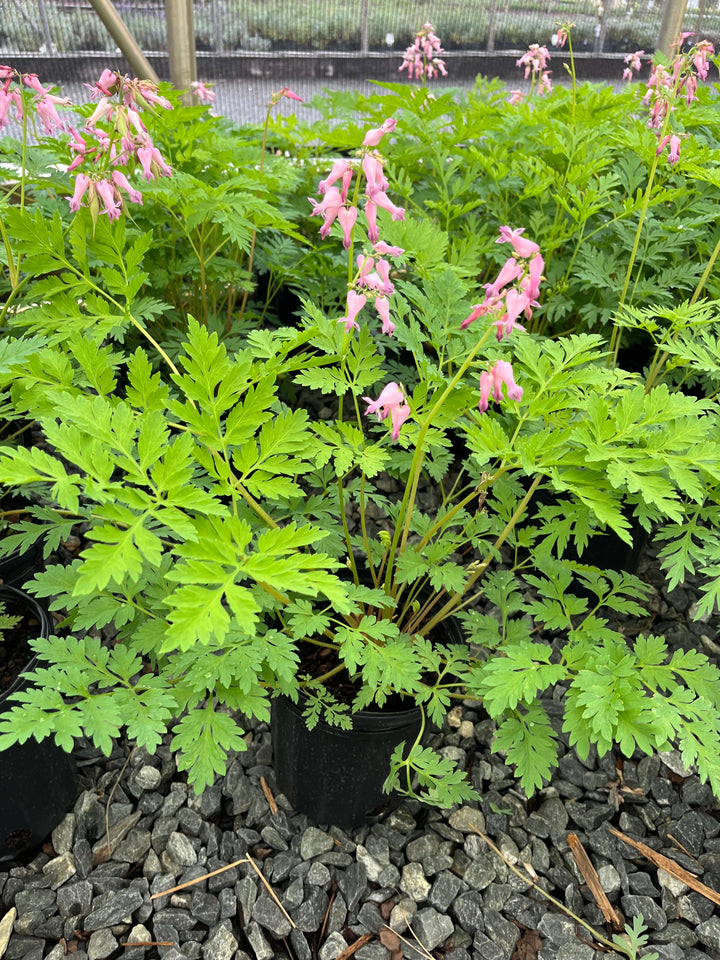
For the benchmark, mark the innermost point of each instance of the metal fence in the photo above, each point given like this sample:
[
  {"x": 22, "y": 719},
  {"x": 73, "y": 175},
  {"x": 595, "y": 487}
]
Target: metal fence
[{"x": 68, "y": 27}]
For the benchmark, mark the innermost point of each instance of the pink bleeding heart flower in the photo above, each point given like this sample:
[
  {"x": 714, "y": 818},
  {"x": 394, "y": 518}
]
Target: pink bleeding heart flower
[
  {"x": 106, "y": 192},
  {"x": 82, "y": 182},
  {"x": 374, "y": 136},
  {"x": 370, "y": 211},
  {"x": 328, "y": 208},
  {"x": 382, "y": 305},
  {"x": 491, "y": 383},
  {"x": 340, "y": 170},
  {"x": 122, "y": 183},
  {"x": 521, "y": 246},
  {"x": 392, "y": 403},
  {"x": 355, "y": 303},
  {"x": 382, "y": 200},
  {"x": 376, "y": 180},
  {"x": 510, "y": 271},
  {"x": 347, "y": 217},
  {"x": 531, "y": 283},
  {"x": 385, "y": 250}
]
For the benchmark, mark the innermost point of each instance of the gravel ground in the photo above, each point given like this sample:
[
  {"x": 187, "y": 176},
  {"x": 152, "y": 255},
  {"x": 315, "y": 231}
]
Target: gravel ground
[{"x": 420, "y": 876}]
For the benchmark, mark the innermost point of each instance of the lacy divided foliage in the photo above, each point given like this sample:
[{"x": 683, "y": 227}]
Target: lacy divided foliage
[{"x": 238, "y": 503}]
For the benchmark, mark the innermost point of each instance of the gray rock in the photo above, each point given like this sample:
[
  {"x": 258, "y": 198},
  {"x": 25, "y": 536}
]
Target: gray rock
[
  {"x": 134, "y": 847},
  {"x": 139, "y": 934},
  {"x": 101, "y": 944},
  {"x": 176, "y": 917},
  {"x": 337, "y": 914},
  {"x": 709, "y": 933},
  {"x": 481, "y": 872},
  {"x": 575, "y": 950},
  {"x": 553, "y": 812},
  {"x": 6, "y": 928},
  {"x": 467, "y": 820},
  {"x": 373, "y": 867},
  {"x": 501, "y": 932},
  {"x": 59, "y": 870},
  {"x": 63, "y": 835},
  {"x": 318, "y": 875},
  {"x": 221, "y": 946},
  {"x": 311, "y": 912},
  {"x": 246, "y": 893},
  {"x": 314, "y": 842},
  {"x": 422, "y": 847},
  {"x": 402, "y": 915},
  {"x": 293, "y": 895},
  {"x": 269, "y": 915},
  {"x": 486, "y": 949},
  {"x": 111, "y": 908},
  {"x": 556, "y": 928},
  {"x": 333, "y": 947},
  {"x": 468, "y": 911},
  {"x": 635, "y": 906},
  {"x": 75, "y": 898},
  {"x": 300, "y": 946},
  {"x": 227, "y": 902},
  {"x": 373, "y": 951},
  {"x": 205, "y": 907},
  {"x": 690, "y": 832},
  {"x": 147, "y": 777},
  {"x": 30, "y": 902},
  {"x": 609, "y": 880},
  {"x": 496, "y": 895},
  {"x": 370, "y": 917},
  {"x": 180, "y": 849},
  {"x": 260, "y": 947},
  {"x": 669, "y": 951},
  {"x": 444, "y": 890},
  {"x": 432, "y": 928},
  {"x": 678, "y": 933},
  {"x": 641, "y": 884},
  {"x": 414, "y": 883}
]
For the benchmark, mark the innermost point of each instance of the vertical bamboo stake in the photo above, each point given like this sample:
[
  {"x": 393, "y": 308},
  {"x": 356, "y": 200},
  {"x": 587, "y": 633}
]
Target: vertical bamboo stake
[
  {"x": 671, "y": 25},
  {"x": 125, "y": 40},
  {"x": 181, "y": 45},
  {"x": 364, "y": 26}
]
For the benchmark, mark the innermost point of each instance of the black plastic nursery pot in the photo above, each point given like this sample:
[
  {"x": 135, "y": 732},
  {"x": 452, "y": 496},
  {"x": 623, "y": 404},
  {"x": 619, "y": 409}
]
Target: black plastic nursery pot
[
  {"x": 336, "y": 776},
  {"x": 37, "y": 780}
]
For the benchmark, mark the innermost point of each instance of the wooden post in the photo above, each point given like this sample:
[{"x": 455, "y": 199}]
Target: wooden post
[
  {"x": 671, "y": 25},
  {"x": 364, "y": 26},
  {"x": 181, "y": 45},
  {"x": 125, "y": 40},
  {"x": 602, "y": 26},
  {"x": 492, "y": 22},
  {"x": 45, "y": 24}
]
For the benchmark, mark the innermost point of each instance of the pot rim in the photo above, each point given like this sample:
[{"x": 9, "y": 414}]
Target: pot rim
[{"x": 20, "y": 596}]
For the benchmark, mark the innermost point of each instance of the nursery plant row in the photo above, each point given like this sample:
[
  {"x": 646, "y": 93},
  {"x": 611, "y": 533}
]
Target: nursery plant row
[{"x": 339, "y": 411}]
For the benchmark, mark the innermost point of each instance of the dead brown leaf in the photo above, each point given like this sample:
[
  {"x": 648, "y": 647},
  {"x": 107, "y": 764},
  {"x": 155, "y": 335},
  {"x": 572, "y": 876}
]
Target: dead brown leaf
[
  {"x": 528, "y": 946},
  {"x": 386, "y": 909}
]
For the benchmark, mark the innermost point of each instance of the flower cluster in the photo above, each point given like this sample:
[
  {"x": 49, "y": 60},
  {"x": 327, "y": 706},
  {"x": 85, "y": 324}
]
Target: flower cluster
[
  {"x": 203, "y": 93},
  {"x": 632, "y": 63},
  {"x": 666, "y": 86},
  {"x": 372, "y": 280},
  {"x": 99, "y": 185},
  {"x": 393, "y": 403},
  {"x": 535, "y": 61},
  {"x": 422, "y": 57},
  {"x": 44, "y": 102},
  {"x": 512, "y": 294},
  {"x": 507, "y": 302}
]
